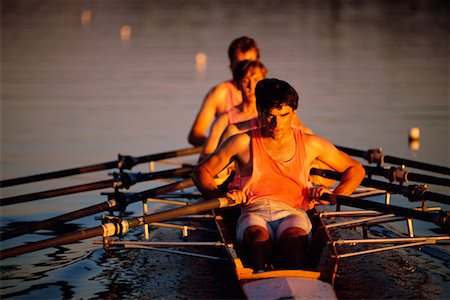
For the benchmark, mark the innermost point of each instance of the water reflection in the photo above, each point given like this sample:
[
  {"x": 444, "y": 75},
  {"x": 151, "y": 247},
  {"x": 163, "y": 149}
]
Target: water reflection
[{"x": 63, "y": 291}]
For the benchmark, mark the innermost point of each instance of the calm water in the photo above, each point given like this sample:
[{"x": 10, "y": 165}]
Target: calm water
[{"x": 85, "y": 80}]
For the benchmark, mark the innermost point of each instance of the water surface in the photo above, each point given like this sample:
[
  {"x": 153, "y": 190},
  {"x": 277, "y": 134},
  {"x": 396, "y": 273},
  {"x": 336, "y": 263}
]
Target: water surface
[{"x": 75, "y": 93}]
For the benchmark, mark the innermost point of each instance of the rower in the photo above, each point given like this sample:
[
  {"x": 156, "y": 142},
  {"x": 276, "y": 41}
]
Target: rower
[
  {"x": 225, "y": 95},
  {"x": 274, "y": 190},
  {"x": 246, "y": 74}
]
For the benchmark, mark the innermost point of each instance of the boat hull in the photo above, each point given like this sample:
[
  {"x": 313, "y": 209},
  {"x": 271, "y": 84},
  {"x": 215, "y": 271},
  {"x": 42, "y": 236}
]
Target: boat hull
[
  {"x": 288, "y": 288},
  {"x": 314, "y": 283}
]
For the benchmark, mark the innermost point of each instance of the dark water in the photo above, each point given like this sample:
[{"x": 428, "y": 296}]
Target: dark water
[{"x": 77, "y": 91}]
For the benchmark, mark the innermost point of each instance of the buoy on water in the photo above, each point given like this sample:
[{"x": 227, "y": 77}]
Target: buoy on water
[
  {"x": 413, "y": 138},
  {"x": 201, "y": 60},
  {"x": 414, "y": 134}
]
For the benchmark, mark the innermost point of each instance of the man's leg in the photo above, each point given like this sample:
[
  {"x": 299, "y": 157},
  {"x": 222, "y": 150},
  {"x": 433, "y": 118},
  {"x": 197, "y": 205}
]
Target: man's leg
[
  {"x": 258, "y": 247},
  {"x": 293, "y": 245}
]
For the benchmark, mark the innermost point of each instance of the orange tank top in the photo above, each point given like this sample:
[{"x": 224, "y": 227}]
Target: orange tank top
[{"x": 272, "y": 179}]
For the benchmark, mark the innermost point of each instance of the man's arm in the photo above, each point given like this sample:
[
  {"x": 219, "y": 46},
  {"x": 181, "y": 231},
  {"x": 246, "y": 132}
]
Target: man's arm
[
  {"x": 212, "y": 141},
  {"x": 234, "y": 129},
  {"x": 352, "y": 171},
  {"x": 235, "y": 148},
  {"x": 210, "y": 107}
]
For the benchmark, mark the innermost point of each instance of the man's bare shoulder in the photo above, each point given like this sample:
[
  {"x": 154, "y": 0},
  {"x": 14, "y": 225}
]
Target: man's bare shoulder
[
  {"x": 220, "y": 89},
  {"x": 238, "y": 141},
  {"x": 315, "y": 141},
  {"x": 236, "y": 128}
]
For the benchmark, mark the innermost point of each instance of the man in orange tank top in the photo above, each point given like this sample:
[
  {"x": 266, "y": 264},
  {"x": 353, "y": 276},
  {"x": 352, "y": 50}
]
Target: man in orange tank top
[{"x": 274, "y": 192}]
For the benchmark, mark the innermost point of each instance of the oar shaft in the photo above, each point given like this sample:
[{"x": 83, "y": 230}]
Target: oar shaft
[
  {"x": 81, "y": 213},
  {"x": 441, "y": 219},
  {"x": 400, "y": 175},
  {"x": 179, "y": 185},
  {"x": 126, "y": 162},
  {"x": 126, "y": 178},
  {"x": 391, "y": 188},
  {"x": 114, "y": 229},
  {"x": 58, "y": 174},
  {"x": 353, "y": 152},
  {"x": 170, "y": 154},
  {"x": 416, "y": 164},
  {"x": 428, "y": 179},
  {"x": 376, "y": 156},
  {"x": 182, "y": 211},
  {"x": 108, "y": 205},
  {"x": 403, "y": 190},
  {"x": 61, "y": 240},
  {"x": 57, "y": 192}
]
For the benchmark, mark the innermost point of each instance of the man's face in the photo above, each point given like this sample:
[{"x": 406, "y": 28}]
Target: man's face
[
  {"x": 277, "y": 122},
  {"x": 241, "y": 56},
  {"x": 248, "y": 84}
]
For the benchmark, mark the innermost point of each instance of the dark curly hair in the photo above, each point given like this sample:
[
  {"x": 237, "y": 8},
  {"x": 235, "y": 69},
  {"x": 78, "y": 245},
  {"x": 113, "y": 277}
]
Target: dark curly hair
[{"x": 274, "y": 93}]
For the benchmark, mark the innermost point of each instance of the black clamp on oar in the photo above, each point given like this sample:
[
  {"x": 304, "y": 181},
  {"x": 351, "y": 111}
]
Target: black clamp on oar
[
  {"x": 126, "y": 162},
  {"x": 124, "y": 180},
  {"x": 415, "y": 192},
  {"x": 395, "y": 174},
  {"x": 375, "y": 156},
  {"x": 121, "y": 201}
]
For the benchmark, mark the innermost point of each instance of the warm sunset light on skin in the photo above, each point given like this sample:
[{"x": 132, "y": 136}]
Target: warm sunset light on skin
[
  {"x": 86, "y": 17},
  {"x": 125, "y": 32}
]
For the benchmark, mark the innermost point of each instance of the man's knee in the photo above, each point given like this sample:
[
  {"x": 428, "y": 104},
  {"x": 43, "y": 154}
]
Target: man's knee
[
  {"x": 293, "y": 233},
  {"x": 256, "y": 234}
]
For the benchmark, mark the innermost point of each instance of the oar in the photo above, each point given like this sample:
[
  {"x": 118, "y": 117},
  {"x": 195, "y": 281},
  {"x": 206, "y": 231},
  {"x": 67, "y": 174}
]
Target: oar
[
  {"x": 119, "y": 202},
  {"x": 123, "y": 163},
  {"x": 412, "y": 192},
  {"x": 441, "y": 218},
  {"x": 121, "y": 180},
  {"x": 377, "y": 156},
  {"x": 395, "y": 174},
  {"x": 119, "y": 227}
]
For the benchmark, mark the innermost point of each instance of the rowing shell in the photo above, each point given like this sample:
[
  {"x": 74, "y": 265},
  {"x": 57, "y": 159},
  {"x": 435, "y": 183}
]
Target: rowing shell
[{"x": 316, "y": 282}]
